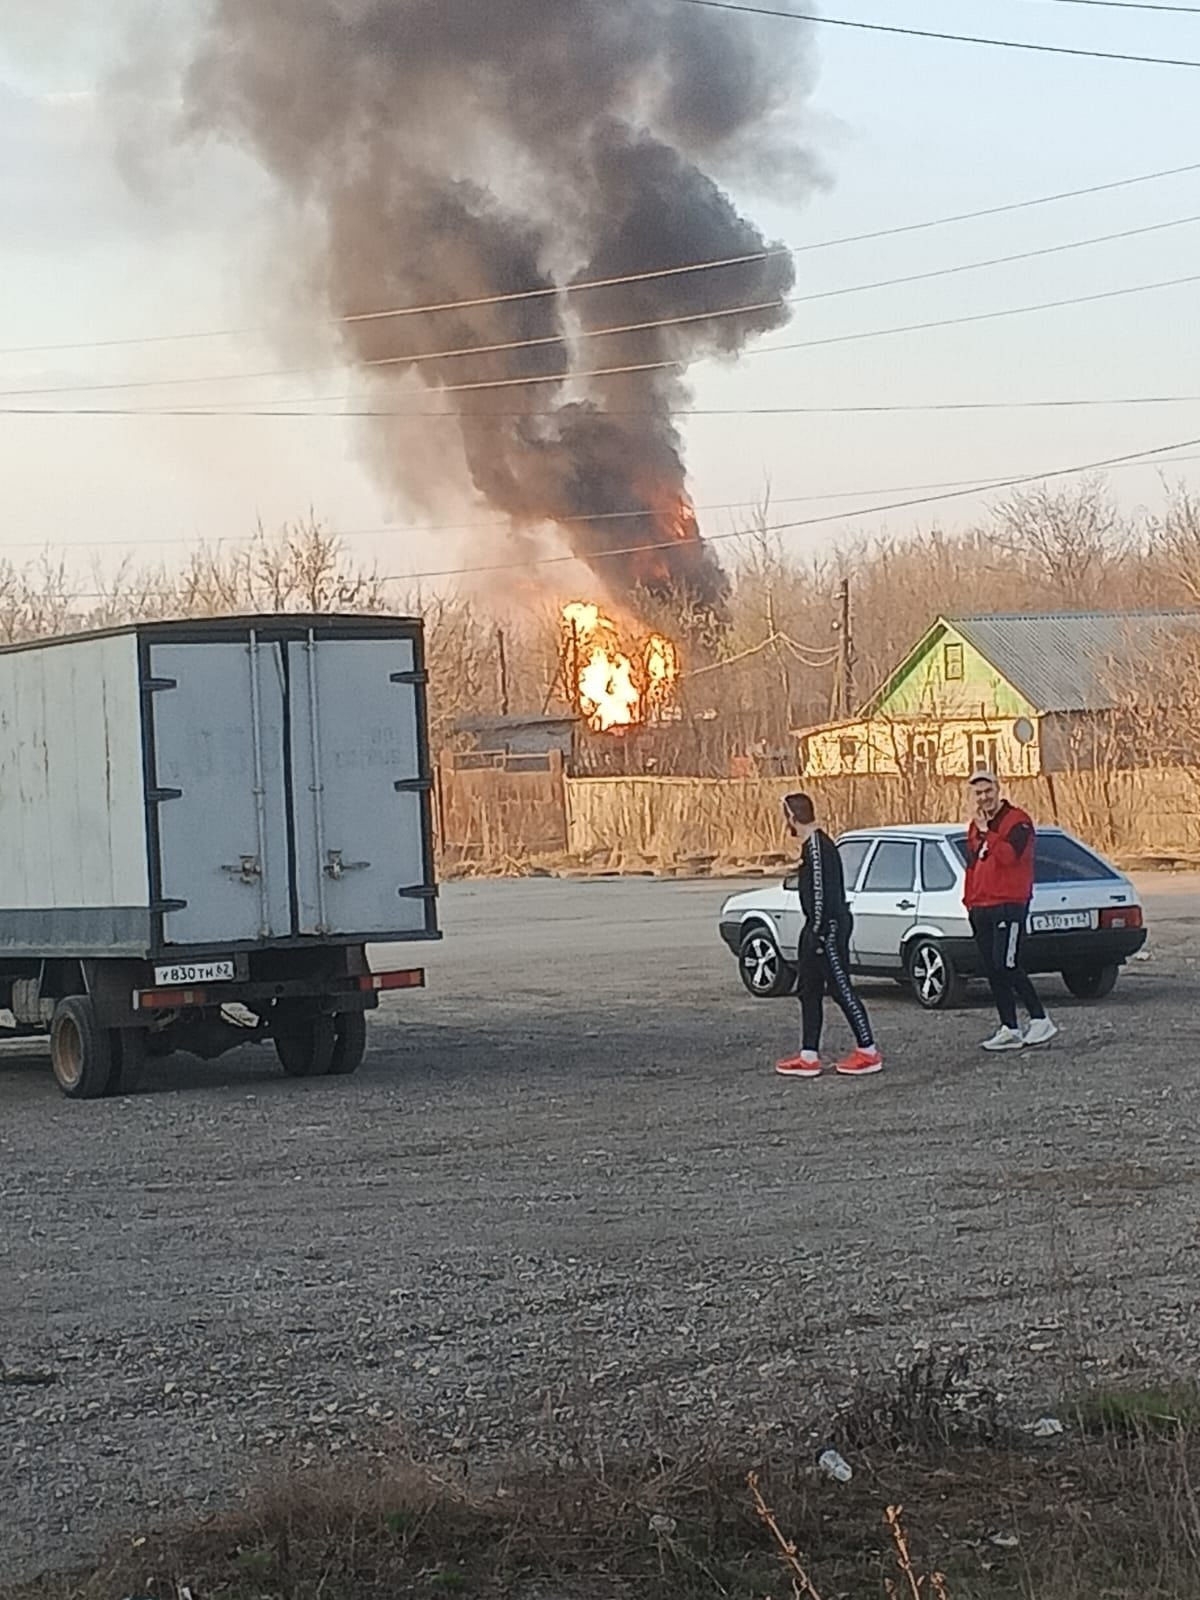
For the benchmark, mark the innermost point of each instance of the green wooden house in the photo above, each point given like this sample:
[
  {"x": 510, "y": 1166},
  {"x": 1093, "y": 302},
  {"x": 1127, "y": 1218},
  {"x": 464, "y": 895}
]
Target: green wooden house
[{"x": 1021, "y": 695}]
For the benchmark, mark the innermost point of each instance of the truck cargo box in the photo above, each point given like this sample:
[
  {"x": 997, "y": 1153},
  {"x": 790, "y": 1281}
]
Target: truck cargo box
[{"x": 171, "y": 790}]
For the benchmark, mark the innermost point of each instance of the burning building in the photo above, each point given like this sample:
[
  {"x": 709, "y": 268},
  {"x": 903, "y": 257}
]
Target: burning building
[{"x": 612, "y": 682}]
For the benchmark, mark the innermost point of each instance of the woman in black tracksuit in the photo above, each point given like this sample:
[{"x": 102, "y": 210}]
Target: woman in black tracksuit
[{"x": 824, "y": 955}]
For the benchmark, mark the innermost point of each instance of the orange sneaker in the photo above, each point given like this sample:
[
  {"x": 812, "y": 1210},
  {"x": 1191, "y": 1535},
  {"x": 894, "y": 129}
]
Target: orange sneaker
[
  {"x": 805, "y": 1065},
  {"x": 862, "y": 1064}
]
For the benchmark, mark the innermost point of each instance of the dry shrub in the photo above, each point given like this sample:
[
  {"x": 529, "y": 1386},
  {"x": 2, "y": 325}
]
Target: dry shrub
[{"x": 1078, "y": 1517}]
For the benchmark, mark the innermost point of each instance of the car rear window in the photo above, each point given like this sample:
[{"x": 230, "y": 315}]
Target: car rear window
[
  {"x": 1064, "y": 860},
  {"x": 936, "y": 872},
  {"x": 1060, "y": 859},
  {"x": 853, "y": 853}
]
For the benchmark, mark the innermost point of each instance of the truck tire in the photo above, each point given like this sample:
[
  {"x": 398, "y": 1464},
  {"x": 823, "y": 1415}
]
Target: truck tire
[
  {"x": 306, "y": 1045},
  {"x": 351, "y": 1043},
  {"x": 81, "y": 1051},
  {"x": 129, "y": 1061}
]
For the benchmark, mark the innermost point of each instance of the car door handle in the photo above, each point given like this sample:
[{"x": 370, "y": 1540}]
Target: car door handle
[{"x": 906, "y": 905}]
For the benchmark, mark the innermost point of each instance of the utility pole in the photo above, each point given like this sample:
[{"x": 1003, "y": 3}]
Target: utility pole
[
  {"x": 845, "y": 627},
  {"x": 502, "y": 654}
]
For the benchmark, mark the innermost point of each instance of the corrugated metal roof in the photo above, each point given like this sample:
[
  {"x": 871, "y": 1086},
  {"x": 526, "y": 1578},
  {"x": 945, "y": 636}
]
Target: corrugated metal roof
[{"x": 1069, "y": 661}]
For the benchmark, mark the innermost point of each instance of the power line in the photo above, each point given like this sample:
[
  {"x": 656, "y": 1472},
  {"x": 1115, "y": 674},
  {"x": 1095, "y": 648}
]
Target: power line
[
  {"x": 914, "y": 408},
  {"x": 835, "y": 339},
  {"x": 635, "y": 277},
  {"x": 930, "y": 33},
  {"x": 422, "y": 358},
  {"x": 967, "y": 487},
  {"x": 533, "y": 380},
  {"x": 1130, "y": 5},
  {"x": 812, "y": 522}
]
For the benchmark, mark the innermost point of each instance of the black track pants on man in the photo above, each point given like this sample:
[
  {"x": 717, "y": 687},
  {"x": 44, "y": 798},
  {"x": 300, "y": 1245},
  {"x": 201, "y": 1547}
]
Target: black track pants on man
[
  {"x": 825, "y": 968},
  {"x": 998, "y": 933}
]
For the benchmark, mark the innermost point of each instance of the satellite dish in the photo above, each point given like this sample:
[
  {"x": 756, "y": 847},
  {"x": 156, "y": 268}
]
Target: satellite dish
[{"x": 1024, "y": 731}]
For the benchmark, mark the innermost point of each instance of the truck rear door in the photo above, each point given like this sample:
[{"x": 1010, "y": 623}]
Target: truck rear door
[
  {"x": 216, "y": 792},
  {"x": 360, "y": 786}
]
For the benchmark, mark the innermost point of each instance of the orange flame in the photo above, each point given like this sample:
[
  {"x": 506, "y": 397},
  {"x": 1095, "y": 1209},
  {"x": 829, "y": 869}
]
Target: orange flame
[{"x": 615, "y": 683}]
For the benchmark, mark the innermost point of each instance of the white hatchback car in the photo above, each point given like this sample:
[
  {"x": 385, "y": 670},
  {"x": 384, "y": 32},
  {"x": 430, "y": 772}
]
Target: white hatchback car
[{"x": 905, "y": 887}]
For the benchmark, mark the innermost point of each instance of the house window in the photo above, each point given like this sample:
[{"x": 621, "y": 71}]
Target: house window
[
  {"x": 924, "y": 755},
  {"x": 985, "y": 753},
  {"x": 952, "y": 663},
  {"x": 848, "y": 752}
]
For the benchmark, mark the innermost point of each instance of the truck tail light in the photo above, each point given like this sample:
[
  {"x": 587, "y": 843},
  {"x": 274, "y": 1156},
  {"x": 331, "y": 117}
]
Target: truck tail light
[
  {"x": 168, "y": 999},
  {"x": 1122, "y": 917},
  {"x": 392, "y": 980}
]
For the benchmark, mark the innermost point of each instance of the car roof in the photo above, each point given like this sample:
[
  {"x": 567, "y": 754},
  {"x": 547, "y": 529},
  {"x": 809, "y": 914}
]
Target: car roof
[{"x": 918, "y": 830}]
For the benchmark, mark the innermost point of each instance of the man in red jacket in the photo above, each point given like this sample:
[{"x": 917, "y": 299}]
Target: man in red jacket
[{"x": 1000, "y": 865}]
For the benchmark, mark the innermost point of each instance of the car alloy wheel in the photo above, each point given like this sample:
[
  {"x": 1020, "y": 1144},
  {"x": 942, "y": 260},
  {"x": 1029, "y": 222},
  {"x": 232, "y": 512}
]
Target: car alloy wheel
[
  {"x": 931, "y": 972},
  {"x": 764, "y": 971},
  {"x": 761, "y": 962}
]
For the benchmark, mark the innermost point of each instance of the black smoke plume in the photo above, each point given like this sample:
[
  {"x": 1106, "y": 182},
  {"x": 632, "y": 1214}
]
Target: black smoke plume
[{"x": 458, "y": 150}]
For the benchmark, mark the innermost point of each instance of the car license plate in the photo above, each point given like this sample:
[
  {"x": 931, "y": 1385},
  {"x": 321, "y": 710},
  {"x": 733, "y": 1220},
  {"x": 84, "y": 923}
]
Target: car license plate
[
  {"x": 1060, "y": 921},
  {"x": 194, "y": 973}
]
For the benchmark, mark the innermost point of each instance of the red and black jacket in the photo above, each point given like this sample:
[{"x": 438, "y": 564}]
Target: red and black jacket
[{"x": 1000, "y": 860}]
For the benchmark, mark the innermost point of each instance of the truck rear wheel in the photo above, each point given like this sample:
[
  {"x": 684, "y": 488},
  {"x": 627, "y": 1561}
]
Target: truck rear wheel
[
  {"x": 81, "y": 1052},
  {"x": 129, "y": 1046},
  {"x": 306, "y": 1045},
  {"x": 351, "y": 1044}
]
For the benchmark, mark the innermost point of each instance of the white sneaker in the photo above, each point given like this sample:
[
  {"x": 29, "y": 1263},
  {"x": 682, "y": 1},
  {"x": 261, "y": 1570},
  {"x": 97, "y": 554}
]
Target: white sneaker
[
  {"x": 1005, "y": 1039},
  {"x": 1040, "y": 1030}
]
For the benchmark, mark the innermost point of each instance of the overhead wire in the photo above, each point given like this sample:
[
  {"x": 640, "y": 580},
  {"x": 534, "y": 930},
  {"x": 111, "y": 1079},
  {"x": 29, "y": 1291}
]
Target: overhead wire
[
  {"x": 963, "y": 491},
  {"x": 710, "y": 265},
  {"x": 540, "y": 379},
  {"x": 494, "y": 524},
  {"x": 745, "y": 8},
  {"x": 912, "y": 408},
  {"x": 812, "y": 522},
  {"x": 809, "y": 658},
  {"x": 424, "y": 357},
  {"x": 1129, "y": 5}
]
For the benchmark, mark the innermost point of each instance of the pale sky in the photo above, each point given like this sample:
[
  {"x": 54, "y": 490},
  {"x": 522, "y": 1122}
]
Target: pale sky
[{"x": 907, "y": 129}]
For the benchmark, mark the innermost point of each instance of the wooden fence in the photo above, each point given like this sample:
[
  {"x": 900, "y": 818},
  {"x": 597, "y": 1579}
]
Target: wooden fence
[
  {"x": 503, "y": 811},
  {"x": 1148, "y": 815}
]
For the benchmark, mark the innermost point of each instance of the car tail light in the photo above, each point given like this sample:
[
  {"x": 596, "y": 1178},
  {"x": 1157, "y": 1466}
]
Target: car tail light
[{"x": 1122, "y": 917}]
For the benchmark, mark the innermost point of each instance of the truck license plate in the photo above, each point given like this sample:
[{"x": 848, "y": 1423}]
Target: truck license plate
[
  {"x": 1061, "y": 921},
  {"x": 195, "y": 973}
]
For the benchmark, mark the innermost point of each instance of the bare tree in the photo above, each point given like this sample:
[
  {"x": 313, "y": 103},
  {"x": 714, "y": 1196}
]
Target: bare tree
[
  {"x": 1175, "y": 537},
  {"x": 1065, "y": 536}
]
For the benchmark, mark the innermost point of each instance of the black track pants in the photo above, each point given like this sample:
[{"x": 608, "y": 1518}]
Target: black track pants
[
  {"x": 998, "y": 933},
  {"x": 825, "y": 969}
]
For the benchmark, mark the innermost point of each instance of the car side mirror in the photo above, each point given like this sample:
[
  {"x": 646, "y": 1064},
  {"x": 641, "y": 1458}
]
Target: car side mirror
[{"x": 792, "y": 882}]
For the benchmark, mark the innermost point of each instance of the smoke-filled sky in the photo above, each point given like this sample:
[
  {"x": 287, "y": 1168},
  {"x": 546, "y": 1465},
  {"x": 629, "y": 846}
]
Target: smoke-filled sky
[
  {"x": 360, "y": 180},
  {"x": 442, "y": 151}
]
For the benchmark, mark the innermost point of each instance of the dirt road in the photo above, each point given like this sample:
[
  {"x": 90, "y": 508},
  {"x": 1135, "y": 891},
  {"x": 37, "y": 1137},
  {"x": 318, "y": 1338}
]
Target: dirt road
[{"x": 568, "y": 1194}]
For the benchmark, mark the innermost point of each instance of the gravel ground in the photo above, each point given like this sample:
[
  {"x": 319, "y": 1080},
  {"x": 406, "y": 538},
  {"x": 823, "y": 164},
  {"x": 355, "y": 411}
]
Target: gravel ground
[{"x": 567, "y": 1198}]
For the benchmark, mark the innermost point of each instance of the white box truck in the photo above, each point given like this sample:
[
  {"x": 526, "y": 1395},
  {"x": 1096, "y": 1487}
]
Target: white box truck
[{"x": 204, "y": 815}]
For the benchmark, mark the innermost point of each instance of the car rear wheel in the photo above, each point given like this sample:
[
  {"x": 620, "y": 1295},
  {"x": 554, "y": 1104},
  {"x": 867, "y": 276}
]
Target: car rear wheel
[
  {"x": 765, "y": 973},
  {"x": 935, "y": 980},
  {"x": 1091, "y": 983}
]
